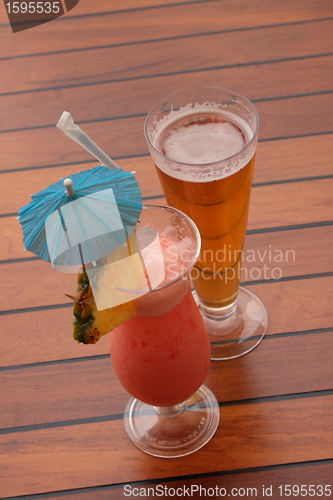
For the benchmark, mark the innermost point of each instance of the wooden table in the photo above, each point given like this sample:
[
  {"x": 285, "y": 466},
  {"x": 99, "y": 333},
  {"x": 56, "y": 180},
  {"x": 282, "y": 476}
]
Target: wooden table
[{"x": 107, "y": 63}]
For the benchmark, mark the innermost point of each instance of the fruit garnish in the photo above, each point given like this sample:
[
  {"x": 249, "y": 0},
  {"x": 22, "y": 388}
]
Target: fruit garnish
[{"x": 90, "y": 324}]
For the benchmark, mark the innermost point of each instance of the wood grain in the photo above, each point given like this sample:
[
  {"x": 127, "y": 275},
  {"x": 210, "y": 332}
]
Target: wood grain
[
  {"x": 282, "y": 118},
  {"x": 298, "y": 203},
  {"x": 198, "y": 54},
  {"x": 273, "y": 163},
  {"x": 151, "y": 24},
  {"x": 291, "y": 251},
  {"x": 108, "y": 63},
  {"x": 100, "y": 453},
  {"x": 251, "y": 483},
  {"x": 314, "y": 206},
  {"x": 274, "y": 368},
  {"x": 292, "y": 306}
]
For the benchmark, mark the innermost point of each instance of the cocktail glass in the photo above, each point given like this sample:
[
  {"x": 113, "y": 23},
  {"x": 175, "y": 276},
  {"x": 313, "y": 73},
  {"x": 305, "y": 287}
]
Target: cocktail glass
[
  {"x": 162, "y": 354},
  {"x": 203, "y": 142}
]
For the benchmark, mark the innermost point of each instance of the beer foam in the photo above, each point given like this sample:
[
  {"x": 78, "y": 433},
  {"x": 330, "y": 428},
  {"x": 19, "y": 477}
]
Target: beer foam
[{"x": 202, "y": 142}]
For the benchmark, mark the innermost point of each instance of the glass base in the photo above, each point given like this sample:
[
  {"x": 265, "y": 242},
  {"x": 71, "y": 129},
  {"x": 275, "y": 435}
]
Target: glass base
[
  {"x": 174, "y": 431},
  {"x": 233, "y": 335}
]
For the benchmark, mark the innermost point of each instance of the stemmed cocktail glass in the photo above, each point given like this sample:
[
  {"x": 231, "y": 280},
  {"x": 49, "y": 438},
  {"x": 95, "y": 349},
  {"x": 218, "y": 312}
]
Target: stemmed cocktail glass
[{"x": 162, "y": 354}]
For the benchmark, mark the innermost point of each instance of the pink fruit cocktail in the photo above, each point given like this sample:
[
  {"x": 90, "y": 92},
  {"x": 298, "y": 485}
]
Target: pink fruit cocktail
[
  {"x": 162, "y": 355},
  {"x": 162, "y": 360}
]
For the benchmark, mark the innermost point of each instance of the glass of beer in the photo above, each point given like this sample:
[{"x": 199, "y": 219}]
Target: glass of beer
[{"x": 203, "y": 142}]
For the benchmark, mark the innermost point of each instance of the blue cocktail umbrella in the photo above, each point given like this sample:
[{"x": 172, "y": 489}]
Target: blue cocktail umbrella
[{"x": 85, "y": 219}]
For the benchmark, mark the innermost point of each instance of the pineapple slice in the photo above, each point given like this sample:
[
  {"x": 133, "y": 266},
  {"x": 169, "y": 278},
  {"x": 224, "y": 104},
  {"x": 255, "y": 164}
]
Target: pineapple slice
[{"x": 90, "y": 324}]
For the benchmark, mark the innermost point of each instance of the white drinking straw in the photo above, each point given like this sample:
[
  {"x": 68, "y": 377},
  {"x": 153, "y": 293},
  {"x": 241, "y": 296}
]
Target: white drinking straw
[{"x": 73, "y": 131}]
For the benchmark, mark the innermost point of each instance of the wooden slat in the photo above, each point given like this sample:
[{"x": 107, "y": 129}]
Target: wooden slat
[
  {"x": 118, "y": 138},
  {"x": 247, "y": 483},
  {"x": 111, "y": 100},
  {"x": 36, "y": 337},
  {"x": 274, "y": 368},
  {"x": 291, "y": 251},
  {"x": 293, "y": 158},
  {"x": 275, "y": 161},
  {"x": 100, "y": 453},
  {"x": 298, "y": 204},
  {"x": 189, "y": 55},
  {"x": 292, "y": 306},
  {"x": 86, "y": 7},
  {"x": 124, "y": 27}
]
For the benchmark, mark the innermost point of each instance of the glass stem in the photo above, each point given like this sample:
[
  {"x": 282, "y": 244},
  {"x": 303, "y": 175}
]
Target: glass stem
[
  {"x": 219, "y": 314},
  {"x": 170, "y": 411}
]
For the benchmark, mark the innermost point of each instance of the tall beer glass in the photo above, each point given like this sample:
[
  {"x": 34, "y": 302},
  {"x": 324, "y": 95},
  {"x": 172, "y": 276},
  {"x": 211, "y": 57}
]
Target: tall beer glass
[{"x": 203, "y": 142}]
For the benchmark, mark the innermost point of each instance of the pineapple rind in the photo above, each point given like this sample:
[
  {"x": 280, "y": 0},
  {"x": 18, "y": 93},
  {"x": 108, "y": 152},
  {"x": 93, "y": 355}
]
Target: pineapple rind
[{"x": 90, "y": 324}]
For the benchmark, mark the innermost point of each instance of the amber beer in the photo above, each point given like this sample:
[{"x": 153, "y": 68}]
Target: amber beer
[{"x": 204, "y": 152}]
